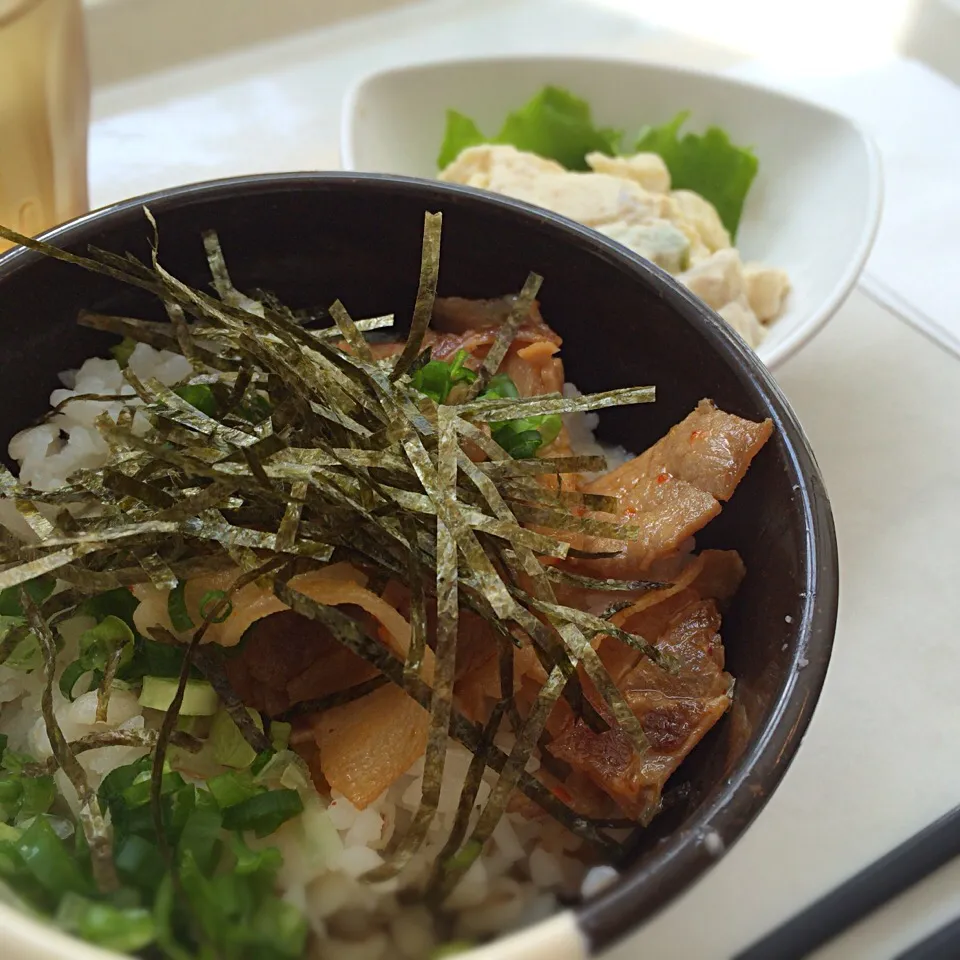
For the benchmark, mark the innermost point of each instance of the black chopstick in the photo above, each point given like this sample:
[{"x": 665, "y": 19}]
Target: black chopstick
[
  {"x": 874, "y": 886},
  {"x": 942, "y": 945}
]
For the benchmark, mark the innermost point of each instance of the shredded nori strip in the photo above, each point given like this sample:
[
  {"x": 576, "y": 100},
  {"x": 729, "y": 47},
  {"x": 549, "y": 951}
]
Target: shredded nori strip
[
  {"x": 505, "y": 335},
  {"x": 486, "y": 411},
  {"x": 113, "y": 738},
  {"x": 338, "y": 699},
  {"x": 511, "y": 773},
  {"x": 469, "y": 791},
  {"x": 426, "y": 294},
  {"x": 441, "y": 700},
  {"x": 602, "y": 583},
  {"x": 106, "y": 685},
  {"x": 319, "y": 452}
]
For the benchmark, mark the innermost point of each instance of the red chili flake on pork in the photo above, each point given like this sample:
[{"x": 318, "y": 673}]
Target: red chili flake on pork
[
  {"x": 562, "y": 794},
  {"x": 663, "y": 478}
]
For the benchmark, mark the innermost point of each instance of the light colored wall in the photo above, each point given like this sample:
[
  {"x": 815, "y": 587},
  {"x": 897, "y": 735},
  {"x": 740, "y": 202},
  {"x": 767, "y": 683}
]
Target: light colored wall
[
  {"x": 130, "y": 38},
  {"x": 933, "y": 36}
]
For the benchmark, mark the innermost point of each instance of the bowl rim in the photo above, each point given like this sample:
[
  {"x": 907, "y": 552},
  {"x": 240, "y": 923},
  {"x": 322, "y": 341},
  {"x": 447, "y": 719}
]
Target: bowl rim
[
  {"x": 687, "y": 854},
  {"x": 817, "y": 319}
]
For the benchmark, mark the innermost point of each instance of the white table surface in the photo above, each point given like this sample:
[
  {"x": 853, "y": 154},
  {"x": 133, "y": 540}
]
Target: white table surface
[{"x": 876, "y": 398}]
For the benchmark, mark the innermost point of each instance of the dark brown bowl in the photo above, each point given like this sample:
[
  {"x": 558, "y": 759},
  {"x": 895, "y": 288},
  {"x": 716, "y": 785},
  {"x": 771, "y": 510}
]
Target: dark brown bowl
[{"x": 311, "y": 238}]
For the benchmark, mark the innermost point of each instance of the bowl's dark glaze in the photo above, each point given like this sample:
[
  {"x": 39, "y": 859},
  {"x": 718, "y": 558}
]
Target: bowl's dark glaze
[{"x": 312, "y": 238}]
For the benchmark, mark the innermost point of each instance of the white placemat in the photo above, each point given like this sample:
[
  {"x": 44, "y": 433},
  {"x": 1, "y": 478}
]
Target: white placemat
[{"x": 914, "y": 115}]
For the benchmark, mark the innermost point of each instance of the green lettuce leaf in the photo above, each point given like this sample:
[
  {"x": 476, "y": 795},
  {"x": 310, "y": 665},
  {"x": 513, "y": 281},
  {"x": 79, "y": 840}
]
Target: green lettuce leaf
[
  {"x": 553, "y": 124},
  {"x": 707, "y": 163},
  {"x": 558, "y": 125},
  {"x": 461, "y": 132}
]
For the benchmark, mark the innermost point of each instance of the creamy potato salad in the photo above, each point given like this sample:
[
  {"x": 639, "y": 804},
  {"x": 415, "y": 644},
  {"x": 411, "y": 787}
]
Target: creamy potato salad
[{"x": 629, "y": 199}]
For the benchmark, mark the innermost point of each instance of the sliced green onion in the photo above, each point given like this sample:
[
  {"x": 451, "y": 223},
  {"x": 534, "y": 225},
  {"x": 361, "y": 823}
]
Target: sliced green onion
[
  {"x": 11, "y": 797},
  {"x": 11, "y": 789},
  {"x": 9, "y": 834},
  {"x": 518, "y": 442},
  {"x": 231, "y": 788},
  {"x": 110, "y": 634},
  {"x": 118, "y": 779},
  {"x": 120, "y": 603},
  {"x": 138, "y": 793},
  {"x": 201, "y": 836},
  {"x": 123, "y": 929},
  {"x": 550, "y": 427},
  {"x": 46, "y": 858},
  {"x": 122, "y": 351},
  {"x": 436, "y": 378},
  {"x": 99, "y": 646},
  {"x": 163, "y": 918},
  {"x": 521, "y": 438},
  {"x": 459, "y": 373},
  {"x": 253, "y": 861},
  {"x": 71, "y": 674},
  {"x": 199, "y": 697},
  {"x": 209, "y": 603},
  {"x": 38, "y": 589},
  {"x": 261, "y": 761},
  {"x": 140, "y": 862},
  {"x": 38, "y": 794},
  {"x": 230, "y": 747},
  {"x": 177, "y": 608},
  {"x": 198, "y": 395},
  {"x": 263, "y": 813},
  {"x": 281, "y": 926},
  {"x": 280, "y": 734},
  {"x": 25, "y": 654},
  {"x": 156, "y": 659},
  {"x": 500, "y": 386},
  {"x": 256, "y": 409}
]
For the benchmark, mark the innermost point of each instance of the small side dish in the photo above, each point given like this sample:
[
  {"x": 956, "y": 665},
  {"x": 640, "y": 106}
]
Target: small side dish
[{"x": 674, "y": 199}]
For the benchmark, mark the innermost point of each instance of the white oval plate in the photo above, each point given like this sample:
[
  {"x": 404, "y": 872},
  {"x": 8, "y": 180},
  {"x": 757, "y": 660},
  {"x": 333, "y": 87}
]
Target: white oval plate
[{"x": 813, "y": 209}]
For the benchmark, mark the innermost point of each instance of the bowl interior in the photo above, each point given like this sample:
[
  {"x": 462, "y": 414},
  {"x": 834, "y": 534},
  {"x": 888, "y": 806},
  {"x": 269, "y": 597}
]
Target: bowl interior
[
  {"x": 812, "y": 209},
  {"x": 311, "y": 239}
]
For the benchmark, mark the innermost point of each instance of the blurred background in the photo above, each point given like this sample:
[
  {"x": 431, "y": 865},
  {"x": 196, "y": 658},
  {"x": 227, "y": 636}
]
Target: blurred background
[
  {"x": 129, "y": 38},
  {"x": 181, "y": 90}
]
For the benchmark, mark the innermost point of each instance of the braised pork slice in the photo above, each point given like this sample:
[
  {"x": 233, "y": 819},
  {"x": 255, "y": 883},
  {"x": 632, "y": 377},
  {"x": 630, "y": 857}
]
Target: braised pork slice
[
  {"x": 675, "y": 712},
  {"x": 672, "y": 490},
  {"x": 457, "y": 315},
  {"x": 286, "y": 659},
  {"x": 709, "y": 449},
  {"x": 366, "y": 745}
]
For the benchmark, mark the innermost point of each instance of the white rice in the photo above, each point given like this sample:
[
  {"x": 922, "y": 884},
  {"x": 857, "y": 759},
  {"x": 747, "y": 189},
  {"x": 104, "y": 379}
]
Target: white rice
[
  {"x": 582, "y": 427},
  {"x": 525, "y": 864},
  {"x": 70, "y": 441}
]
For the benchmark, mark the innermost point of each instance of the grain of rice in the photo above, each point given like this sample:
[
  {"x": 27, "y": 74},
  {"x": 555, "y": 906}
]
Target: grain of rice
[
  {"x": 327, "y": 894},
  {"x": 505, "y": 837},
  {"x": 472, "y": 889},
  {"x": 544, "y": 869},
  {"x": 341, "y": 811},
  {"x": 355, "y": 861},
  {"x": 598, "y": 879},
  {"x": 365, "y": 829}
]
